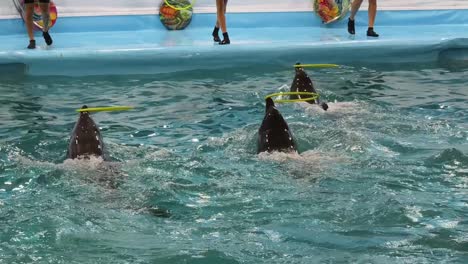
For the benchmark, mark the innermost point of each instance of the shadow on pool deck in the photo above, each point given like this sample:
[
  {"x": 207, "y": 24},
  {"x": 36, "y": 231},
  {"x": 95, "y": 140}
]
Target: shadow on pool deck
[{"x": 140, "y": 44}]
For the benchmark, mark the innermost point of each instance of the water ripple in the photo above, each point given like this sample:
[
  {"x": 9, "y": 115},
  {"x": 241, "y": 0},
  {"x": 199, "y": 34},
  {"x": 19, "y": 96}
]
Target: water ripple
[{"x": 381, "y": 177}]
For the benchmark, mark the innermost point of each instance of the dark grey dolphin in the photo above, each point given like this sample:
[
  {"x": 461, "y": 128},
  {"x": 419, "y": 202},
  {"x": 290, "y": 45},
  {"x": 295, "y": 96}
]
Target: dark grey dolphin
[
  {"x": 85, "y": 139},
  {"x": 274, "y": 133},
  {"x": 302, "y": 83}
]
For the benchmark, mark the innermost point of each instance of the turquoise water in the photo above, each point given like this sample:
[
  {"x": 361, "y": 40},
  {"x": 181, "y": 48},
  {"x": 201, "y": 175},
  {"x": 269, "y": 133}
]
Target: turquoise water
[{"x": 382, "y": 176}]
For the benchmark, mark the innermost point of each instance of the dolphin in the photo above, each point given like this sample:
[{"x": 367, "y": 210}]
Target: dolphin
[
  {"x": 274, "y": 133},
  {"x": 302, "y": 83},
  {"x": 85, "y": 139}
]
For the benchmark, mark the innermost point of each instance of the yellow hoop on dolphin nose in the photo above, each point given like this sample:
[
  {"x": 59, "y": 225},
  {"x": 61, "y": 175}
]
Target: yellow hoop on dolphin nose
[
  {"x": 314, "y": 96},
  {"x": 105, "y": 109},
  {"x": 316, "y": 65}
]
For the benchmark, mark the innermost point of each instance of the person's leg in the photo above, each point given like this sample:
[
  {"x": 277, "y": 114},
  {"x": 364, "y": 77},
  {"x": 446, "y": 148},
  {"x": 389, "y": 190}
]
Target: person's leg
[
  {"x": 221, "y": 10},
  {"x": 45, "y": 16},
  {"x": 215, "y": 33},
  {"x": 372, "y": 14},
  {"x": 45, "y": 9},
  {"x": 354, "y": 8},
  {"x": 29, "y": 24},
  {"x": 225, "y": 4}
]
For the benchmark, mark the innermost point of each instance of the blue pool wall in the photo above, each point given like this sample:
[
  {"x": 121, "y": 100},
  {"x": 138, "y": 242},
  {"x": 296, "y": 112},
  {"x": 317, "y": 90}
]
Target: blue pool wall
[{"x": 95, "y": 45}]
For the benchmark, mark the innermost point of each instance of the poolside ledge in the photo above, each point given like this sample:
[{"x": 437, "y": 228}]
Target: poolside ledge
[{"x": 141, "y": 45}]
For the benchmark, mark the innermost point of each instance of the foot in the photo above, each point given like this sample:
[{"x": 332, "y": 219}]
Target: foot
[
  {"x": 215, "y": 35},
  {"x": 47, "y": 38},
  {"x": 32, "y": 44},
  {"x": 226, "y": 40},
  {"x": 371, "y": 33},
  {"x": 351, "y": 29}
]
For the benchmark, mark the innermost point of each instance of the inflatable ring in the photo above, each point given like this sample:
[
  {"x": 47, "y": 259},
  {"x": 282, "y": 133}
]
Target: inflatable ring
[
  {"x": 37, "y": 15},
  {"x": 176, "y": 14},
  {"x": 314, "y": 96},
  {"x": 331, "y": 10}
]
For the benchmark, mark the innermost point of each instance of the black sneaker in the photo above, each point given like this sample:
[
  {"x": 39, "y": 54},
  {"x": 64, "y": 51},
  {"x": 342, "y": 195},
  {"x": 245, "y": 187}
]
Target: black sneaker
[
  {"x": 351, "y": 29},
  {"x": 32, "y": 44},
  {"x": 371, "y": 33},
  {"x": 47, "y": 38}
]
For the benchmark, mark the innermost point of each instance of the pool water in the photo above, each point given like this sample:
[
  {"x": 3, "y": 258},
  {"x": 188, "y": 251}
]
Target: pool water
[{"x": 382, "y": 177}]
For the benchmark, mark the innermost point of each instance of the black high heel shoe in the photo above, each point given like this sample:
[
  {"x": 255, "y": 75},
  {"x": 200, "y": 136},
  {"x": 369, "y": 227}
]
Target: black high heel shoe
[
  {"x": 215, "y": 35},
  {"x": 226, "y": 39}
]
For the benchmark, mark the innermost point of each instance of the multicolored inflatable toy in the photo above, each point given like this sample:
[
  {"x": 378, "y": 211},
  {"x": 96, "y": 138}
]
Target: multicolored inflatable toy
[
  {"x": 176, "y": 14},
  {"x": 331, "y": 10},
  {"x": 37, "y": 15}
]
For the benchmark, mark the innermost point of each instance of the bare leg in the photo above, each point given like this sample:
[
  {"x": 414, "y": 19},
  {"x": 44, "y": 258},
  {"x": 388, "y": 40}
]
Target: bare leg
[
  {"x": 45, "y": 16},
  {"x": 221, "y": 9},
  {"x": 225, "y": 4},
  {"x": 372, "y": 12},
  {"x": 29, "y": 20},
  {"x": 355, "y": 7},
  {"x": 45, "y": 9}
]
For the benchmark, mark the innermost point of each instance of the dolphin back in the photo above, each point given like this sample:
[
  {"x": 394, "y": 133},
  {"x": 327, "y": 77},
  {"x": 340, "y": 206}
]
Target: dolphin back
[
  {"x": 274, "y": 133},
  {"x": 303, "y": 83},
  {"x": 85, "y": 139}
]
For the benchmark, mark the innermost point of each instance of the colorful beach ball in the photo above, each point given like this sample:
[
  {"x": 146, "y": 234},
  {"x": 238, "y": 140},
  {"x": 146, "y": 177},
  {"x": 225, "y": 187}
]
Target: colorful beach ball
[
  {"x": 331, "y": 10},
  {"x": 176, "y": 14}
]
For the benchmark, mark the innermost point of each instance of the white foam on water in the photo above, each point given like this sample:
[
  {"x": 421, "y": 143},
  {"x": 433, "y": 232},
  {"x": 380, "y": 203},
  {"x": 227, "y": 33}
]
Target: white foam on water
[
  {"x": 279, "y": 156},
  {"x": 17, "y": 157},
  {"x": 308, "y": 165},
  {"x": 90, "y": 163},
  {"x": 448, "y": 224},
  {"x": 159, "y": 154},
  {"x": 398, "y": 243},
  {"x": 83, "y": 164},
  {"x": 274, "y": 236},
  {"x": 462, "y": 239},
  {"x": 200, "y": 201},
  {"x": 442, "y": 223},
  {"x": 413, "y": 213},
  {"x": 310, "y": 156},
  {"x": 334, "y": 108}
]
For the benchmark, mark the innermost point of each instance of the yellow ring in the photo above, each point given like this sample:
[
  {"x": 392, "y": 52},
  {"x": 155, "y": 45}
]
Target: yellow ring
[
  {"x": 316, "y": 66},
  {"x": 108, "y": 109},
  {"x": 314, "y": 97},
  {"x": 179, "y": 8}
]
